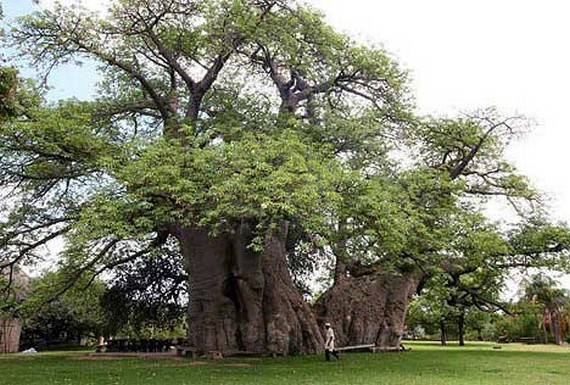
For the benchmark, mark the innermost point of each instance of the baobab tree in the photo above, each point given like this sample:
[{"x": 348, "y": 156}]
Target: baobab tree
[
  {"x": 190, "y": 141},
  {"x": 219, "y": 127}
]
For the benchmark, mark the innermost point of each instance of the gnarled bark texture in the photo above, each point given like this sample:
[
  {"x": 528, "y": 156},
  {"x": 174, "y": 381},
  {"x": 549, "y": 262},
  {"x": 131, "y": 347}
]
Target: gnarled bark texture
[
  {"x": 10, "y": 329},
  {"x": 369, "y": 309},
  {"x": 242, "y": 300}
]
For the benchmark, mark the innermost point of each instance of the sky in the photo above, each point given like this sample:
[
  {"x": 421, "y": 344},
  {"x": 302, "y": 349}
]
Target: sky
[
  {"x": 465, "y": 55},
  {"x": 462, "y": 55}
]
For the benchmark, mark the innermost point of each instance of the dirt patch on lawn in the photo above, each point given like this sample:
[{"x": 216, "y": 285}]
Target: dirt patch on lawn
[
  {"x": 179, "y": 363},
  {"x": 114, "y": 356},
  {"x": 92, "y": 358}
]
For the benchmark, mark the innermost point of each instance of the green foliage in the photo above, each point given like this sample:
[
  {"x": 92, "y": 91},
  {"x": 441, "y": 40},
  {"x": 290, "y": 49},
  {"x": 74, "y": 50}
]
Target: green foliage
[
  {"x": 426, "y": 314},
  {"x": 73, "y": 315},
  {"x": 538, "y": 239},
  {"x": 17, "y": 95},
  {"x": 481, "y": 326},
  {"x": 146, "y": 298},
  {"x": 8, "y": 83},
  {"x": 524, "y": 323},
  {"x": 53, "y": 146},
  {"x": 9, "y": 302}
]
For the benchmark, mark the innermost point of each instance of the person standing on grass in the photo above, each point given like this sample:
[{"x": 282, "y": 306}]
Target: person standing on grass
[{"x": 329, "y": 343}]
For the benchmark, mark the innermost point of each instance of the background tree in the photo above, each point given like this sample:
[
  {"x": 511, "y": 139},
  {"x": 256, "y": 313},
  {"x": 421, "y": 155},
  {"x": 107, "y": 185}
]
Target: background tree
[
  {"x": 146, "y": 298},
  {"x": 523, "y": 322},
  {"x": 552, "y": 300},
  {"x": 427, "y": 219},
  {"x": 479, "y": 261},
  {"x": 72, "y": 319}
]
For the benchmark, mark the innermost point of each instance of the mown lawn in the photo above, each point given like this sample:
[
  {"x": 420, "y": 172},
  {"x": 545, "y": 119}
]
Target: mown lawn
[{"x": 426, "y": 364}]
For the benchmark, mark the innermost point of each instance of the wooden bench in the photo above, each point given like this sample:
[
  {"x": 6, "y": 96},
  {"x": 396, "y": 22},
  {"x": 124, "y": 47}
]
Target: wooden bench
[
  {"x": 373, "y": 348},
  {"x": 528, "y": 340},
  {"x": 356, "y": 348},
  {"x": 186, "y": 351}
]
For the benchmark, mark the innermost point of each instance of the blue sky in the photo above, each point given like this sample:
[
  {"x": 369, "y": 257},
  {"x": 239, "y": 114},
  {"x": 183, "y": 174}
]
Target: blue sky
[{"x": 65, "y": 82}]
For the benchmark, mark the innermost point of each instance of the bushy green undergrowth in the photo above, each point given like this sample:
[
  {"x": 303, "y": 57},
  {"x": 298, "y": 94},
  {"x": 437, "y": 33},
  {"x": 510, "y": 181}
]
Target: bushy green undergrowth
[{"x": 426, "y": 364}]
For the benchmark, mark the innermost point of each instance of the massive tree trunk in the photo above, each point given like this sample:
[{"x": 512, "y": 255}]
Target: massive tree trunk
[
  {"x": 242, "y": 300},
  {"x": 369, "y": 309}
]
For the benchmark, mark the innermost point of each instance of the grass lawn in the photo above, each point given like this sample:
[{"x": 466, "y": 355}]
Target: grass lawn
[{"x": 426, "y": 364}]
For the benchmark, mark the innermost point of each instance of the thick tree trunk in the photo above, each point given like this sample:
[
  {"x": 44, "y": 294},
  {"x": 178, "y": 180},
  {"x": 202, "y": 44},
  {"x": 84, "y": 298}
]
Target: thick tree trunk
[
  {"x": 370, "y": 309},
  {"x": 211, "y": 314},
  {"x": 242, "y": 300},
  {"x": 291, "y": 327}
]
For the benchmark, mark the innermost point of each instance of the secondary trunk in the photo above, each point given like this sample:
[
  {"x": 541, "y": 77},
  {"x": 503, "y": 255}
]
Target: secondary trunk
[
  {"x": 10, "y": 329},
  {"x": 370, "y": 309},
  {"x": 242, "y": 300}
]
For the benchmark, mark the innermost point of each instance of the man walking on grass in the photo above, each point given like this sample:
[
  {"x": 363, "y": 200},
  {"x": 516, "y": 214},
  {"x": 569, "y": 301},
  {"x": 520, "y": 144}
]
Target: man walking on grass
[{"x": 329, "y": 343}]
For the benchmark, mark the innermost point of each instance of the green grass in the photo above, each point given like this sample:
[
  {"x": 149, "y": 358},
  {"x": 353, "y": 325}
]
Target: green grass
[{"x": 426, "y": 364}]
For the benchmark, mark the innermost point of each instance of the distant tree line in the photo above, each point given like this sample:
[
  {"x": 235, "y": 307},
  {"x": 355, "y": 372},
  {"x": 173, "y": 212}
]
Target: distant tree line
[{"x": 540, "y": 314}]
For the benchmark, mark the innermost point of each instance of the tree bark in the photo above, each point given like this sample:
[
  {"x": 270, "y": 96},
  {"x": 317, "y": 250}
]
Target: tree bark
[
  {"x": 243, "y": 300},
  {"x": 370, "y": 309},
  {"x": 290, "y": 324}
]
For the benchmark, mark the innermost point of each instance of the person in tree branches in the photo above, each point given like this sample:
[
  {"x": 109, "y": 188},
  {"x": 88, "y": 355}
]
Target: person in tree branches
[{"x": 329, "y": 343}]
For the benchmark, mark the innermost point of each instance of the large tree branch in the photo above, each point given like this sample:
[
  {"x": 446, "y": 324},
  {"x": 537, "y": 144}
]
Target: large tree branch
[
  {"x": 457, "y": 170},
  {"x": 78, "y": 273},
  {"x": 144, "y": 107},
  {"x": 129, "y": 69},
  {"x": 170, "y": 58},
  {"x": 29, "y": 229},
  {"x": 27, "y": 248},
  {"x": 213, "y": 72},
  {"x": 479, "y": 300},
  {"x": 159, "y": 240}
]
